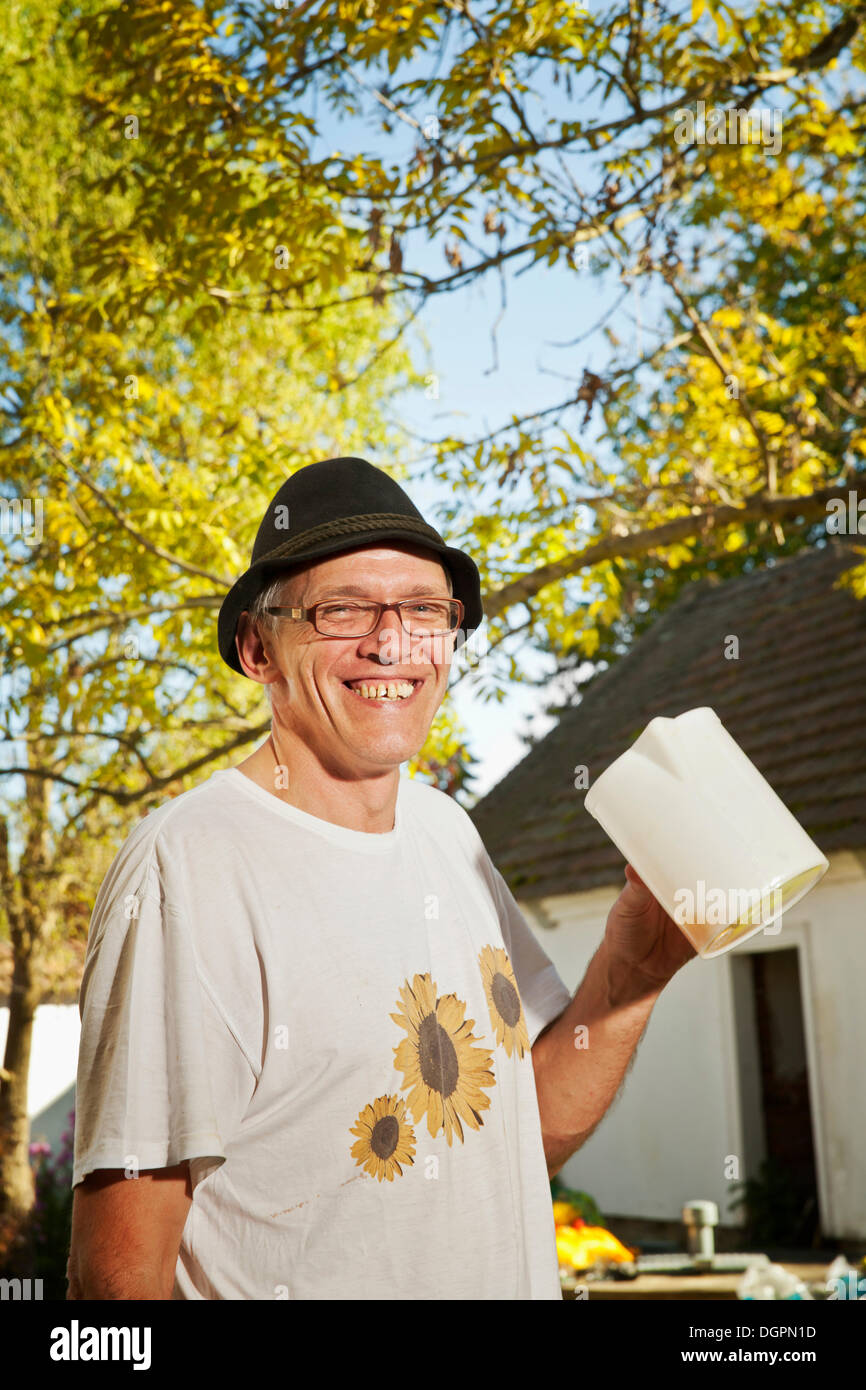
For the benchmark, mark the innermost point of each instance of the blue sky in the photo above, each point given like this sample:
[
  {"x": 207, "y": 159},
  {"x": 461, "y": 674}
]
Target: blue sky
[
  {"x": 543, "y": 306},
  {"x": 479, "y": 391}
]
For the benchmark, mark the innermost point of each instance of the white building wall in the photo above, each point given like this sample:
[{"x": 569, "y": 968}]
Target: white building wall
[
  {"x": 53, "y": 1067},
  {"x": 667, "y": 1138}
]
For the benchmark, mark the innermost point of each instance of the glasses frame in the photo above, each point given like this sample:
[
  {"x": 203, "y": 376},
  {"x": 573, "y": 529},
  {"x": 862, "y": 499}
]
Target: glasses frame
[{"x": 310, "y": 615}]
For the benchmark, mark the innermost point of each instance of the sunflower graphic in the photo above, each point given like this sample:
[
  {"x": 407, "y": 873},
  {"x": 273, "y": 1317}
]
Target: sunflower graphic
[
  {"x": 503, "y": 1000},
  {"x": 444, "y": 1072},
  {"x": 385, "y": 1138}
]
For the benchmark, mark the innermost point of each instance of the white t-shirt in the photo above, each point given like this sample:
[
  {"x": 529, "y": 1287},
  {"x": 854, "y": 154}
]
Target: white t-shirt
[{"x": 325, "y": 1022}]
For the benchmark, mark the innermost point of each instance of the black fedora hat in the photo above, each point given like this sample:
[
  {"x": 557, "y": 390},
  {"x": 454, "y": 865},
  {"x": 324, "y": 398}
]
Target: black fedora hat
[{"x": 332, "y": 506}]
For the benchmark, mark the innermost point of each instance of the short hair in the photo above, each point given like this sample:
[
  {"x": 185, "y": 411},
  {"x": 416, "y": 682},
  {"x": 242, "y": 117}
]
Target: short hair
[{"x": 270, "y": 596}]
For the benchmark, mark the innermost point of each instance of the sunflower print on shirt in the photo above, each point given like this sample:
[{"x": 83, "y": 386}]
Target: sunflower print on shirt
[
  {"x": 503, "y": 1001},
  {"x": 444, "y": 1073},
  {"x": 385, "y": 1138}
]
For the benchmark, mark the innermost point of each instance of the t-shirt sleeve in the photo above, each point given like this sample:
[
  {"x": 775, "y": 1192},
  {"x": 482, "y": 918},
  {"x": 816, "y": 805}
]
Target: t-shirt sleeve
[
  {"x": 161, "y": 1078},
  {"x": 542, "y": 991}
]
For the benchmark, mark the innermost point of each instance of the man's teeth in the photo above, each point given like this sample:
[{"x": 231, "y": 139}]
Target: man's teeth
[{"x": 390, "y": 690}]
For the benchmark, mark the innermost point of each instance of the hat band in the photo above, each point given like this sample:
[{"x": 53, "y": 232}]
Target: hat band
[{"x": 350, "y": 526}]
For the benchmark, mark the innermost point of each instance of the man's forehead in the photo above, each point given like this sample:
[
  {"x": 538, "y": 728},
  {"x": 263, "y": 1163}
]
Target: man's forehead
[{"x": 350, "y": 571}]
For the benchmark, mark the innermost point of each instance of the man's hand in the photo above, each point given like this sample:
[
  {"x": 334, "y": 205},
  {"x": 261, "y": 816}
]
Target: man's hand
[{"x": 641, "y": 936}]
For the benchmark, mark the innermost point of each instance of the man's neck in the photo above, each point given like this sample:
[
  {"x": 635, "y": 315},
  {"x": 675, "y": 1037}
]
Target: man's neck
[{"x": 365, "y": 804}]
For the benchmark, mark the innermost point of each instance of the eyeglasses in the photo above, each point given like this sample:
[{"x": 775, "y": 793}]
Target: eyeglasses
[{"x": 420, "y": 617}]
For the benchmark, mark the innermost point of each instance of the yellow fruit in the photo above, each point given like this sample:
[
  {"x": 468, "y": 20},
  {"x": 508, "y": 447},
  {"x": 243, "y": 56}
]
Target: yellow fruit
[
  {"x": 607, "y": 1242},
  {"x": 567, "y": 1251},
  {"x": 564, "y": 1213},
  {"x": 580, "y": 1249}
]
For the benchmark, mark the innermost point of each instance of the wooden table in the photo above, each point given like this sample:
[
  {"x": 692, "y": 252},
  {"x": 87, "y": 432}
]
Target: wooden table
[{"x": 713, "y": 1286}]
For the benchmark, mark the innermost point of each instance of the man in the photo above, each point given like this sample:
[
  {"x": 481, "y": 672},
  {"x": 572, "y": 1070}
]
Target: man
[{"x": 322, "y": 1054}]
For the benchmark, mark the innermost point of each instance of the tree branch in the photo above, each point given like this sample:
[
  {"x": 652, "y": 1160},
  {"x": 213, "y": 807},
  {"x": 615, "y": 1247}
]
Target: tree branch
[
  {"x": 612, "y": 547},
  {"x": 136, "y": 534},
  {"x": 126, "y": 798}
]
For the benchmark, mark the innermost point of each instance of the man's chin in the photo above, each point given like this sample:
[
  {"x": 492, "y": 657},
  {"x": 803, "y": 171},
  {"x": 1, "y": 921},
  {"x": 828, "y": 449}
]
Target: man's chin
[
  {"x": 389, "y": 754},
  {"x": 386, "y": 750}
]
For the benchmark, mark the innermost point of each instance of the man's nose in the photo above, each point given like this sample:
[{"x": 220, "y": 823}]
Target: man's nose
[{"x": 385, "y": 642}]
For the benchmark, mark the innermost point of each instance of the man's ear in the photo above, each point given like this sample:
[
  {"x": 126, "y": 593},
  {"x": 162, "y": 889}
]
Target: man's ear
[{"x": 247, "y": 626}]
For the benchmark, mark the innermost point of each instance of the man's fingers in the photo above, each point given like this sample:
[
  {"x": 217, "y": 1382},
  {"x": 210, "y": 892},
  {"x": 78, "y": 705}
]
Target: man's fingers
[{"x": 634, "y": 877}]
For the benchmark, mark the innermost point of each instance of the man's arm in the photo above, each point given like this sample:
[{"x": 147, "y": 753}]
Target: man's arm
[
  {"x": 578, "y": 1073},
  {"x": 126, "y": 1233}
]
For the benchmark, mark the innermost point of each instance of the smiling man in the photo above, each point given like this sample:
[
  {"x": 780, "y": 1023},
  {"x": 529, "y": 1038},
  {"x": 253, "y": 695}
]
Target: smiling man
[
  {"x": 350, "y": 709},
  {"x": 323, "y": 1056}
]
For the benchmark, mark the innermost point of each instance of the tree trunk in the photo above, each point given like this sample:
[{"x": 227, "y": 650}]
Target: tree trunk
[
  {"x": 21, "y": 901},
  {"x": 17, "y": 1190}
]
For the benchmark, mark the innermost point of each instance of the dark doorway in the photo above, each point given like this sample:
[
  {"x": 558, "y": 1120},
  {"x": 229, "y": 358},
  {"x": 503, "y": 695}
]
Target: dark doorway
[{"x": 780, "y": 1159}]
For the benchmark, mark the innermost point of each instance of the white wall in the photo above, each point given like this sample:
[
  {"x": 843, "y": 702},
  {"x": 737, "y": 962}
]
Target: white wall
[
  {"x": 667, "y": 1137},
  {"x": 53, "y": 1064}
]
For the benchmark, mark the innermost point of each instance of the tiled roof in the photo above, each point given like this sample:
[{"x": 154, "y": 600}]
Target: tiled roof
[{"x": 794, "y": 700}]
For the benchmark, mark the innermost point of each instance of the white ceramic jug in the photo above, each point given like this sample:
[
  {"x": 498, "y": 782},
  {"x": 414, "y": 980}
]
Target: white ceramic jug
[{"x": 706, "y": 832}]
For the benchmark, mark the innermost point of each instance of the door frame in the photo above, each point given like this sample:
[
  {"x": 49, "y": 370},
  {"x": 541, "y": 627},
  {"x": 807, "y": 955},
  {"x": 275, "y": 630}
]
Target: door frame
[{"x": 794, "y": 933}]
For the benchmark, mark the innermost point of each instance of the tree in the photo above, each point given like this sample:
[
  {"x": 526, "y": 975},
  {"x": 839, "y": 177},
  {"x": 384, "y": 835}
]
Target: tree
[
  {"x": 663, "y": 163},
  {"x": 138, "y": 459}
]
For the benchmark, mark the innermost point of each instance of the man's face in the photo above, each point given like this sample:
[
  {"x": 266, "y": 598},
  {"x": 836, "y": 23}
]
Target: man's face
[{"x": 316, "y": 695}]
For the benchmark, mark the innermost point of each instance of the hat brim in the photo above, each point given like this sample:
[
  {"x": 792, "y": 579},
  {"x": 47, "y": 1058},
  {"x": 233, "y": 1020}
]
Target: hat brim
[{"x": 465, "y": 578}]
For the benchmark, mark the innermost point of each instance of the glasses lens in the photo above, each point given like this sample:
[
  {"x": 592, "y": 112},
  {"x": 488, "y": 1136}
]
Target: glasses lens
[
  {"x": 429, "y": 616},
  {"x": 346, "y": 618},
  {"x": 356, "y": 617}
]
